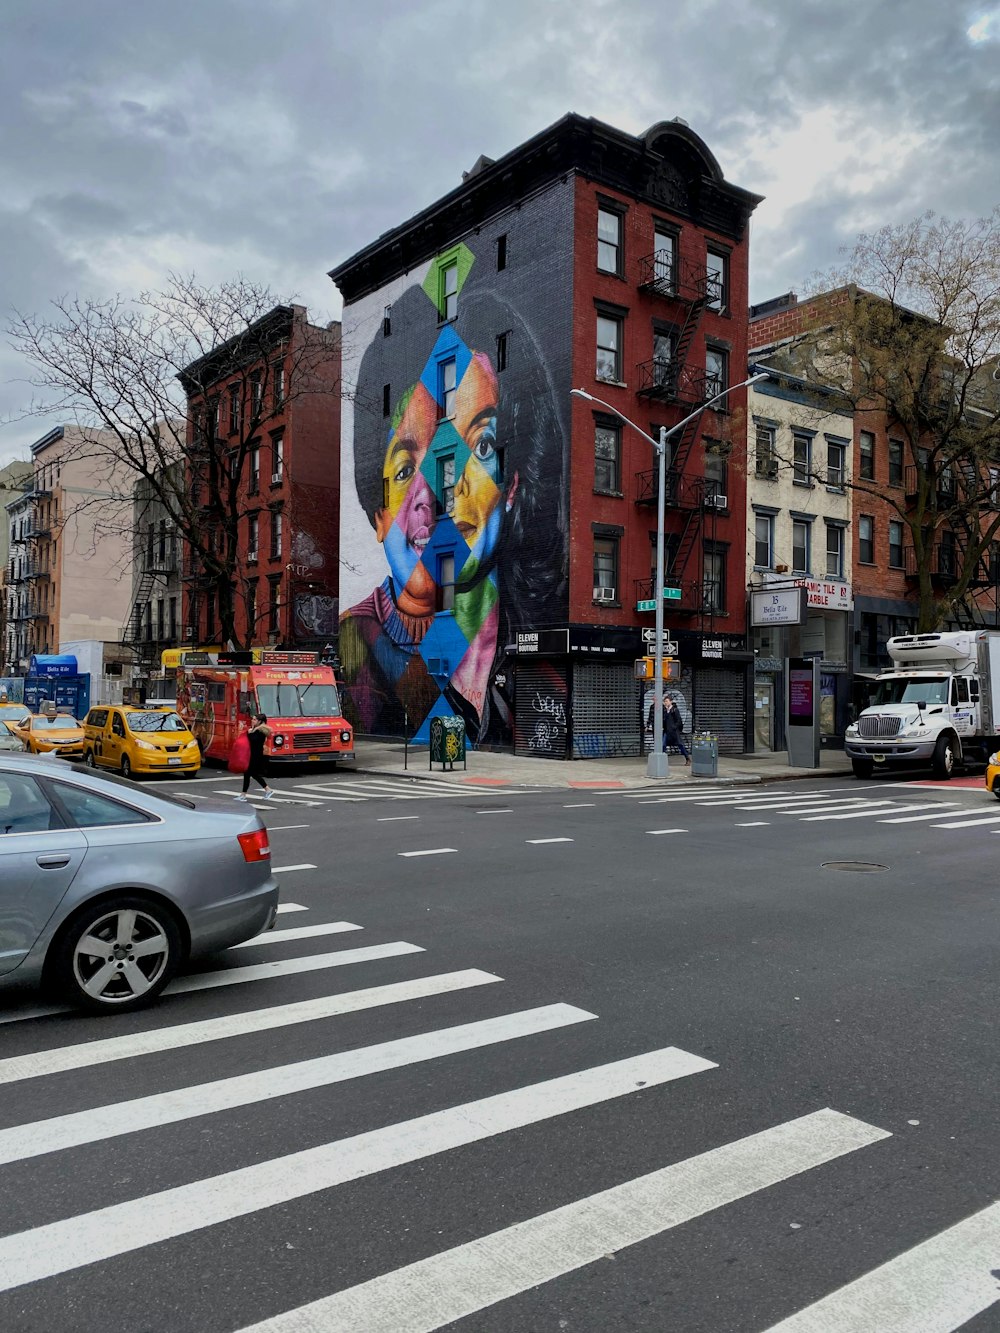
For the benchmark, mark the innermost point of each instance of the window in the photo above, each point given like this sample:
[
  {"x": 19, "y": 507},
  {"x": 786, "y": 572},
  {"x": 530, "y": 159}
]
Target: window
[
  {"x": 449, "y": 291},
  {"x": 717, "y": 288},
  {"x": 716, "y": 371},
  {"x": 665, "y": 259},
  {"x": 274, "y": 608},
  {"x": 386, "y": 399},
  {"x": 895, "y": 462},
  {"x": 609, "y": 241},
  {"x": 501, "y": 252},
  {"x": 866, "y": 539},
  {"x": 446, "y": 484},
  {"x": 834, "y": 551},
  {"x": 253, "y": 536},
  {"x": 251, "y": 604},
  {"x": 609, "y": 348},
  {"x": 446, "y": 581},
  {"x": 234, "y": 409},
  {"x": 173, "y": 617},
  {"x": 23, "y": 806},
  {"x": 161, "y": 618},
  {"x": 277, "y": 459},
  {"x": 715, "y": 472},
  {"x": 387, "y": 321},
  {"x": 209, "y": 614},
  {"x": 607, "y": 457},
  {"x": 87, "y": 809},
  {"x": 766, "y": 457},
  {"x": 947, "y": 562},
  {"x": 714, "y": 589},
  {"x": 501, "y": 361},
  {"x": 277, "y": 526},
  {"x": 835, "y": 454},
  {"x": 605, "y": 569},
  {"x": 896, "y": 544},
  {"x": 278, "y": 375},
  {"x": 254, "y": 485},
  {"x": 256, "y": 394},
  {"x": 866, "y": 456},
  {"x": 763, "y": 545},
  {"x": 663, "y": 359},
  {"x": 447, "y": 388},
  {"x": 800, "y": 546},
  {"x": 802, "y": 460}
]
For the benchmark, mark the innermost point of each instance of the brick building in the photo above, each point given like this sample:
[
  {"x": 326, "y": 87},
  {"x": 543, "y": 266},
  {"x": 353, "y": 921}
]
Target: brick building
[
  {"x": 517, "y": 525},
  {"x": 263, "y": 463}
]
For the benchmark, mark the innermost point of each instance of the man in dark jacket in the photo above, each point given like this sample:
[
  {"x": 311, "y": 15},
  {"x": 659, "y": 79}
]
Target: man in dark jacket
[{"x": 673, "y": 728}]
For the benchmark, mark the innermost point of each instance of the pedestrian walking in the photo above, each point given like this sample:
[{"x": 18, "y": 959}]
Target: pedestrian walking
[
  {"x": 673, "y": 728},
  {"x": 257, "y": 733}
]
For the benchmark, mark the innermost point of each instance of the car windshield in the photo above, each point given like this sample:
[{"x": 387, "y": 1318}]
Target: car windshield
[
  {"x": 57, "y": 723},
  {"x": 154, "y": 722},
  {"x": 8, "y": 711},
  {"x": 113, "y": 780},
  {"x": 912, "y": 690},
  {"x": 287, "y": 700}
]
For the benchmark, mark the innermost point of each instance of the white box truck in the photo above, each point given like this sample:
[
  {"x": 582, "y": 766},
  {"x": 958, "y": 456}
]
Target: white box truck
[{"x": 938, "y": 705}]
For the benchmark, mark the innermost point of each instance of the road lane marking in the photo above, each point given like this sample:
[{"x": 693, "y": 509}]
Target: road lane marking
[
  {"x": 935, "y": 1287},
  {"x": 538, "y": 842},
  {"x": 965, "y": 822},
  {"x": 283, "y": 870},
  {"x": 166, "y": 1108},
  {"x": 74, "y": 1242},
  {"x": 394, "y": 819},
  {"x": 281, "y": 828},
  {"x": 87, "y": 1054},
  {"x": 756, "y": 823},
  {"x": 507, "y": 811},
  {"x": 655, "y": 832},
  {"x": 446, "y": 1287},
  {"x": 430, "y": 851},
  {"x": 912, "y": 819},
  {"x": 298, "y": 933},
  {"x": 874, "y": 814},
  {"x": 291, "y": 907},
  {"x": 580, "y": 805}
]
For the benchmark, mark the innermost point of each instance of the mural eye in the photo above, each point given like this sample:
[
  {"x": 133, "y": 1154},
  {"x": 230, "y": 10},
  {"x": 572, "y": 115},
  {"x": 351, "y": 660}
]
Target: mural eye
[
  {"x": 486, "y": 445},
  {"x": 404, "y": 473}
]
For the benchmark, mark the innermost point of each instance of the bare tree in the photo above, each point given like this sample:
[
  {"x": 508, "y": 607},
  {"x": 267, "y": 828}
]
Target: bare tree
[
  {"x": 179, "y": 385},
  {"x": 909, "y": 330}
]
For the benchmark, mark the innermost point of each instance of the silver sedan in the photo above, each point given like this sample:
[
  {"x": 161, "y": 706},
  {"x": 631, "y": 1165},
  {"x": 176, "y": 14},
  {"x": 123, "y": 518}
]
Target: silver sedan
[{"x": 108, "y": 888}]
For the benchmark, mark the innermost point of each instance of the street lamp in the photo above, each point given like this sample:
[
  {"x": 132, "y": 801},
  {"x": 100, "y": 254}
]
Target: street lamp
[{"x": 657, "y": 761}]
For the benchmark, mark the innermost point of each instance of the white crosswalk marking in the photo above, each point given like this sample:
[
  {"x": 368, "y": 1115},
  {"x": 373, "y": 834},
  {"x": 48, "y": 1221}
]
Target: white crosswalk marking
[
  {"x": 291, "y": 907},
  {"x": 874, "y": 810},
  {"x": 297, "y": 933},
  {"x": 970, "y": 823},
  {"x": 913, "y": 819},
  {"x": 433, "y": 1292},
  {"x": 84, "y": 1055},
  {"x": 165, "y": 1108},
  {"x": 59, "y": 1247},
  {"x": 934, "y": 1288}
]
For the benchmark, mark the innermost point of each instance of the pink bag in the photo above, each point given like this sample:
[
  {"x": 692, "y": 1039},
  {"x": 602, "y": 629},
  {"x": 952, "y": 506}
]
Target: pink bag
[{"x": 239, "y": 758}]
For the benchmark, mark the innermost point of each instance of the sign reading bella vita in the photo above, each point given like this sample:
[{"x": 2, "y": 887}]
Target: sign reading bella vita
[{"x": 777, "y": 606}]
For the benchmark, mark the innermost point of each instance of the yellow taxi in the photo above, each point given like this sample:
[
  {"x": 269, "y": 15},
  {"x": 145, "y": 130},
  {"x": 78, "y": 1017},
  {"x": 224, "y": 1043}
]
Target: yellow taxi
[
  {"x": 13, "y": 714},
  {"x": 50, "y": 733},
  {"x": 139, "y": 741},
  {"x": 993, "y": 774}
]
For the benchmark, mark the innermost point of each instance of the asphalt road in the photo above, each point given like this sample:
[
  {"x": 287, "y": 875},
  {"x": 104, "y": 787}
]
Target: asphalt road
[{"x": 558, "y": 1060}]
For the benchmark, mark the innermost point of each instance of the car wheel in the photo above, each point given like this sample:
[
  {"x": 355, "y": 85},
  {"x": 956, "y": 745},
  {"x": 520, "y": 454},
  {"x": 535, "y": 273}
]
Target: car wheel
[
  {"x": 126, "y": 766},
  {"x": 89, "y": 759},
  {"x": 863, "y": 768},
  {"x": 190, "y": 775},
  {"x": 117, "y": 956},
  {"x": 944, "y": 758},
  {"x": 996, "y": 787}
]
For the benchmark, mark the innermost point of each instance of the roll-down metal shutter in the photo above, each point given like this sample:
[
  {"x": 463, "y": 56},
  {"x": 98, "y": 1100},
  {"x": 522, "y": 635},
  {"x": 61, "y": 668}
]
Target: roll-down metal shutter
[
  {"x": 605, "y": 710},
  {"x": 541, "y": 709},
  {"x": 720, "y": 706}
]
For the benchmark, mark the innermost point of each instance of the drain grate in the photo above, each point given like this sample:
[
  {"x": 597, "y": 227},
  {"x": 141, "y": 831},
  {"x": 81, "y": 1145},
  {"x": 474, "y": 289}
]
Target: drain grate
[{"x": 857, "y": 867}]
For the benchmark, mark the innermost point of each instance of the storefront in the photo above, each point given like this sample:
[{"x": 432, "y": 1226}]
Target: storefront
[
  {"x": 575, "y": 693},
  {"x": 713, "y": 692}
]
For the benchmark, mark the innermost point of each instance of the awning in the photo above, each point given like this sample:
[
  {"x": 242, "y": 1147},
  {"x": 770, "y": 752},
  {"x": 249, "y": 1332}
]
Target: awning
[{"x": 53, "y": 664}]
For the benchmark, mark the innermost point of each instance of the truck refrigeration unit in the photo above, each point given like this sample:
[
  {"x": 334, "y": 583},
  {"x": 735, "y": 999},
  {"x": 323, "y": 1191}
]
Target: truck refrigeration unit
[{"x": 938, "y": 705}]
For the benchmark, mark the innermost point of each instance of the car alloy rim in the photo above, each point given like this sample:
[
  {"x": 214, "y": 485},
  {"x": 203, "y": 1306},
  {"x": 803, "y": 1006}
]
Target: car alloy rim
[{"x": 121, "y": 956}]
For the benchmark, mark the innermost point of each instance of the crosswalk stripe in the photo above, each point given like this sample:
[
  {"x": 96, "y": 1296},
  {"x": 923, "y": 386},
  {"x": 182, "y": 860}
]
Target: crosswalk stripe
[
  {"x": 876, "y": 810},
  {"x": 85, "y": 1054},
  {"x": 910, "y": 819},
  {"x": 59, "y": 1247},
  {"x": 748, "y": 800},
  {"x": 871, "y": 807},
  {"x": 259, "y": 804},
  {"x": 794, "y": 802},
  {"x": 935, "y": 1287},
  {"x": 316, "y": 797},
  {"x": 291, "y": 907},
  {"x": 283, "y": 870},
  {"x": 695, "y": 796},
  {"x": 168, "y": 1108},
  {"x": 298, "y": 933},
  {"x": 970, "y": 823},
  {"x": 433, "y": 1292},
  {"x": 234, "y": 976}
]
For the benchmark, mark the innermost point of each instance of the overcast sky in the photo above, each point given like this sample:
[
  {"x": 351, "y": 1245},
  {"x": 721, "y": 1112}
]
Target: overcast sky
[{"x": 276, "y": 137}]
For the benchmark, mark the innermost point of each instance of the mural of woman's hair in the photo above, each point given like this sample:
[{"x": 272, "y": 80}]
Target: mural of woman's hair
[{"x": 527, "y": 560}]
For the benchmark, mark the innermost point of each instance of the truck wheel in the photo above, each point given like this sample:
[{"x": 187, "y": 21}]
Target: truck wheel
[
  {"x": 863, "y": 768},
  {"x": 943, "y": 762}
]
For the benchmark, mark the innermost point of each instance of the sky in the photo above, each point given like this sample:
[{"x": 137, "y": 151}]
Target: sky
[{"x": 274, "y": 138}]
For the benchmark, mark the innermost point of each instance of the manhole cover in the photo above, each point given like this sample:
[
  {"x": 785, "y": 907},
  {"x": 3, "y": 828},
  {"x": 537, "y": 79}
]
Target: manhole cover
[{"x": 859, "y": 867}]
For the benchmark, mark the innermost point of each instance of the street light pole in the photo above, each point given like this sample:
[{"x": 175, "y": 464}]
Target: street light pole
[{"x": 657, "y": 761}]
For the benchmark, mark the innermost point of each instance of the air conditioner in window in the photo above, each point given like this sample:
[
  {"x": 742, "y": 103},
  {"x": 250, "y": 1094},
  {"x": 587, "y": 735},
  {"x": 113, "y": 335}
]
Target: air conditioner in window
[
  {"x": 716, "y": 501},
  {"x": 767, "y": 468},
  {"x": 604, "y": 595},
  {"x": 275, "y": 478}
]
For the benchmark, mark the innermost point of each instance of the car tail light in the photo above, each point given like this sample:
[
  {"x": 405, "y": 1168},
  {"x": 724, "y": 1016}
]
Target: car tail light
[{"x": 256, "y": 846}]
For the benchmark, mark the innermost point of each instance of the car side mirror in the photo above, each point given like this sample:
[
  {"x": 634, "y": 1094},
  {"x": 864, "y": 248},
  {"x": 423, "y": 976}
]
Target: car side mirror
[{"x": 921, "y": 704}]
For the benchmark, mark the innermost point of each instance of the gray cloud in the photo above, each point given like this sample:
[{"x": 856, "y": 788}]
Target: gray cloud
[{"x": 277, "y": 138}]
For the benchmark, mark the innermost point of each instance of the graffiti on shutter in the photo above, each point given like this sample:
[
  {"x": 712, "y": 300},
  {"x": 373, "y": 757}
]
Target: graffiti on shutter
[
  {"x": 605, "y": 710},
  {"x": 540, "y": 710}
]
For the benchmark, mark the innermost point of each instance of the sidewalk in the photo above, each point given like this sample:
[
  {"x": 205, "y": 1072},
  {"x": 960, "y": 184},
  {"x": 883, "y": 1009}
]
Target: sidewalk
[{"x": 506, "y": 770}]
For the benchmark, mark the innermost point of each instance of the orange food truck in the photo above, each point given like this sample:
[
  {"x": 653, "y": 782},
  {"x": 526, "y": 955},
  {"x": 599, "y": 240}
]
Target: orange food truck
[{"x": 217, "y": 692}]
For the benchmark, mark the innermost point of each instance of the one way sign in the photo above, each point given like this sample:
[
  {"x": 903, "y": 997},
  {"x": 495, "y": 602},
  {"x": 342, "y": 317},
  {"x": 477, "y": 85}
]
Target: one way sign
[{"x": 669, "y": 647}]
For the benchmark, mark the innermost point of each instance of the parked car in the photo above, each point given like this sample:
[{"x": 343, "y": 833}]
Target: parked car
[
  {"x": 15, "y": 713},
  {"x": 139, "y": 740},
  {"x": 56, "y": 734},
  {"x": 10, "y": 741},
  {"x": 108, "y": 888}
]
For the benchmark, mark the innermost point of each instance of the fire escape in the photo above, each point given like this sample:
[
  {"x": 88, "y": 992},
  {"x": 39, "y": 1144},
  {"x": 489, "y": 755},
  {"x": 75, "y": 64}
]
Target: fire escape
[
  {"x": 157, "y": 565},
  {"x": 685, "y": 290},
  {"x": 950, "y": 545}
]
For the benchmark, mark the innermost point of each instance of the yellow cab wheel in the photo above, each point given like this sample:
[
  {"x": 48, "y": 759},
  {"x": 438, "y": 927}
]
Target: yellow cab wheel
[{"x": 996, "y": 786}]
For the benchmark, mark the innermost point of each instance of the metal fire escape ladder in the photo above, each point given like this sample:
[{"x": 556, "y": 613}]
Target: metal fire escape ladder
[{"x": 132, "y": 631}]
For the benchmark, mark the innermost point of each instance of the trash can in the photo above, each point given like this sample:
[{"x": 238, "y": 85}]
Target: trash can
[
  {"x": 447, "y": 742},
  {"x": 704, "y": 756}
]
